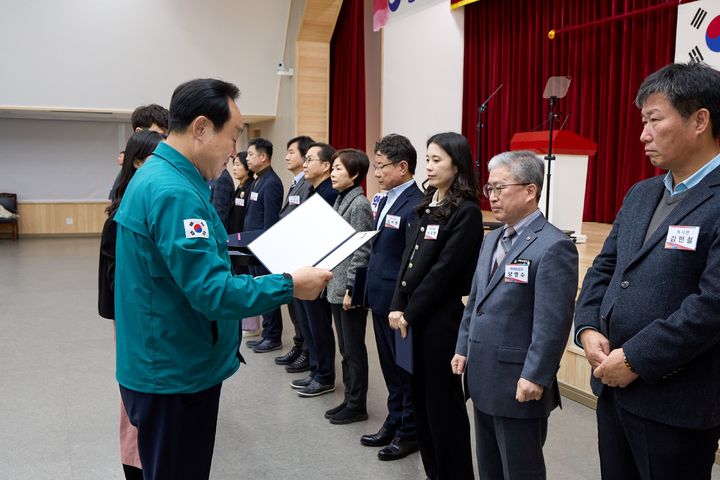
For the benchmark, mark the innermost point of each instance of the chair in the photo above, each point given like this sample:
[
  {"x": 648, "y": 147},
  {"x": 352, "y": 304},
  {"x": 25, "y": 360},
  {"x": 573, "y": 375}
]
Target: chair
[{"x": 9, "y": 201}]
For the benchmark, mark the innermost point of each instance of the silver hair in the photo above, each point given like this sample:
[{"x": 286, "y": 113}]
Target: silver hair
[{"x": 524, "y": 166}]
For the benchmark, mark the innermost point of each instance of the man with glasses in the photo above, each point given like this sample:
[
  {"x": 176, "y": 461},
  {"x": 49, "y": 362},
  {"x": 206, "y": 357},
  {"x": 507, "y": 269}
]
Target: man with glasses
[
  {"x": 263, "y": 209},
  {"x": 516, "y": 322},
  {"x": 316, "y": 316},
  {"x": 395, "y": 161}
]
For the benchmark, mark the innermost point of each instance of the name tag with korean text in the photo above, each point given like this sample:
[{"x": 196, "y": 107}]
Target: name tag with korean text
[
  {"x": 239, "y": 202},
  {"x": 431, "y": 232},
  {"x": 294, "y": 199},
  {"x": 392, "y": 221},
  {"x": 254, "y": 196},
  {"x": 681, "y": 237},
  {"x": 517, "y": 273}
]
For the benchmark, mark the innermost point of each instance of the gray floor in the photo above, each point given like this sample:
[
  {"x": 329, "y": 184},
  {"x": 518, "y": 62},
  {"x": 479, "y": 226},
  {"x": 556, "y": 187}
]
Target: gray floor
[{"x": 59, "y": 401}]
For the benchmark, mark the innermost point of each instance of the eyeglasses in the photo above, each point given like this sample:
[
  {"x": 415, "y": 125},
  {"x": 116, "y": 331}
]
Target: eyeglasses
[
  {"x": 378, "y": 168},
  {"x": 310, "y": 158},
  {"x": 489, "y": 188}
]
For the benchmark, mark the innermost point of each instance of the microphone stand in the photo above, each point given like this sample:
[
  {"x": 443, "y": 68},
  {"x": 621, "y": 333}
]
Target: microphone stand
[
  {"x": 481, "y": 111},
  {"x": 549, "y": 157}
]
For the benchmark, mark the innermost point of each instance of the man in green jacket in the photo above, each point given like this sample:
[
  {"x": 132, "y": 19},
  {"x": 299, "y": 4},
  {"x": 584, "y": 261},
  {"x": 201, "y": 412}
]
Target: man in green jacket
[{"x": 177, "y": 303}]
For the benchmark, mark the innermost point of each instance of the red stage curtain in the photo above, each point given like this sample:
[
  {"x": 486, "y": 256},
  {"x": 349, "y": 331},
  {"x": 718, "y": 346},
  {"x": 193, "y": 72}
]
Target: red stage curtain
[
  {"x": 347, "y": 78},
  {"x": 506, "y": 42}
]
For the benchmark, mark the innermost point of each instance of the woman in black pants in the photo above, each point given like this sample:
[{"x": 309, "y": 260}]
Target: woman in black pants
[
  {"x": 349, "y": 169},
  {"x": 437, "y": 270}
]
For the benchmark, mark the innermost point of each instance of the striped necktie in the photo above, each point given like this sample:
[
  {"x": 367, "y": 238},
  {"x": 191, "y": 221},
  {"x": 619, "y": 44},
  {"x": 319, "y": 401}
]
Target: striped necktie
[{"x": 505, "y": 245}]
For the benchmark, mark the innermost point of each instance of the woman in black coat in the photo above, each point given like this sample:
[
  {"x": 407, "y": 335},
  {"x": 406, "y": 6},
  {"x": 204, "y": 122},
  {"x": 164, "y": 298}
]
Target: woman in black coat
[
  {"x": 437, "y": 270},
  {"x": 138, "y": 148}
]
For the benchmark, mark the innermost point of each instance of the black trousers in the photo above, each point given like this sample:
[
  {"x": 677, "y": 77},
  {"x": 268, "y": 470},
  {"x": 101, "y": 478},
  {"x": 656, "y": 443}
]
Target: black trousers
[
  {"x": 510, "y": 448},
  {"x": 176, "y": 432},
  {"x": 322, "y": 346},
  {"x": 401, "y": 412},
  {"x": 297, "y": 336},
  {"x": 272, "y": 321},
  {"x": 633, "y": 447},
  {"x": 443, "y": 429},
  {"x": 350, "y": 327}
]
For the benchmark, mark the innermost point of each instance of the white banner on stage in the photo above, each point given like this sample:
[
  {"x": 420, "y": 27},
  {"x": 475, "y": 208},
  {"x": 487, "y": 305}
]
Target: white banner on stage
[{"x": 698, "y": 33}]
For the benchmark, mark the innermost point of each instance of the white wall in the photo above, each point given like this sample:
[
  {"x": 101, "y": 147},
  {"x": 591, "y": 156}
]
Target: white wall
[
  {"x": 422, "y": 76},
  {"x": 121, "y": 54}
]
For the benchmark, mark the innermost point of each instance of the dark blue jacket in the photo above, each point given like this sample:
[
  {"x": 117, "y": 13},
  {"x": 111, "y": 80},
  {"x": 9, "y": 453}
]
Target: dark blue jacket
[
  {"x": 387, "y": 251},
  {"x": 263, "y": 206},
  {"x": 661, "y": 305},
  {"x": 326, "y": 191}
]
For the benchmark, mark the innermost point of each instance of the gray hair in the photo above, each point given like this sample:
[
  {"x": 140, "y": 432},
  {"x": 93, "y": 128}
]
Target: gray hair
[{"x": 524, "y": 166}]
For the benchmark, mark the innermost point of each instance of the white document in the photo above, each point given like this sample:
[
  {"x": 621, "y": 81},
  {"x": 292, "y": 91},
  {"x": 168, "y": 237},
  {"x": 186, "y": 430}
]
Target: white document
[{"x": 305, "y": 237}]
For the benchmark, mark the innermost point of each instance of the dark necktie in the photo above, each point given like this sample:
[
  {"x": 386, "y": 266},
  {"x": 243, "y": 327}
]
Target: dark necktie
[{"x": 505, "y": 245}]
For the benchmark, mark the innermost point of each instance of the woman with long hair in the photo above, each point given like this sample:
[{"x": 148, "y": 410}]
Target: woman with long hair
[
  {"x": 436, "y": 272},
  {"x": 140, "y": 145}
]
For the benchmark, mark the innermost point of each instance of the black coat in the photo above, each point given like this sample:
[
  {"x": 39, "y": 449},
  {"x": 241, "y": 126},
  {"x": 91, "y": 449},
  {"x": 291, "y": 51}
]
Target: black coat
[{"x": 106, "y": 269}]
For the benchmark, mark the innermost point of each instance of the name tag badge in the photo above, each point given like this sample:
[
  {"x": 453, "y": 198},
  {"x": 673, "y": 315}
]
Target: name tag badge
[
  {"x": 516, "y": 273},
  {"x": 294, "y": 199},
  {"x": 681, "y": 237},
  {"x": 254, "y": 196},
  {"x": 431, "y": 232},
  {"x": 392, "y": 221},
  {"x": 239, "y": 202}
]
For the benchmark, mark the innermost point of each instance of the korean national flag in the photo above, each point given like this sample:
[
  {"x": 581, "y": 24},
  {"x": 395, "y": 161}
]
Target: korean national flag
[
  {"x": 698, "y": 33},
  {"x": 195, "y": 228}
]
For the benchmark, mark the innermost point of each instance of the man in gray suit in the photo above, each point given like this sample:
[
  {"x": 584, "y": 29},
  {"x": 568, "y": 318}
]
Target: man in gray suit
[
  {"x": 516, "y": 322},
  {"x": 648, "y": 315},
  {"x": 297, "y": 359}
]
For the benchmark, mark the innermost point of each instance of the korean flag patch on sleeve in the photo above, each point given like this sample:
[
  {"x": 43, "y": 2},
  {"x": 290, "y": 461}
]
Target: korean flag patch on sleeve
[{"x": 196, "y": 228}]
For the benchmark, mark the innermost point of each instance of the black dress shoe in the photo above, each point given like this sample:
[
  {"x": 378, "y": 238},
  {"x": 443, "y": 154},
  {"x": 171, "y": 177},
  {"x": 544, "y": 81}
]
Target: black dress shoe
[
  {"x": 254, "y": 343},
  {"x": 289, "y": 357},
  {"x": 348, "y": 415},
  {"x": 334, "y": 410},
  {"x": 315, "y": 389},
  {"x": 379, "y": 439},
  {"x": 267, "y": 346},
  {"x": 301, "y": 383},
  {"x": 301, "y": 364},
  {"x": 398, "y": 449}
]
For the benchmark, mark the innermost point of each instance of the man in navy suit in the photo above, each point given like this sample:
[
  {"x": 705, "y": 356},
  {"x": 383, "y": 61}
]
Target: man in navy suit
[
  {"x": 263, "y": 209},
  {"x": 395, "y": 161},
  {"x": 647, "y": 316}
]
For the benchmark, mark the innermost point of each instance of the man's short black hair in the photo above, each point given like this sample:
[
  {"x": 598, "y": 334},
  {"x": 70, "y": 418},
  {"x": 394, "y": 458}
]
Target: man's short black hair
[
  {"x": 203, "y": 96},
  {"x": 326, "y": 151},
  {"x": 397, "y": 148},
  {"x": 143, "y": 117},
  {"x": 688, "y": 87},
  {"x": 262, "y": 145},
  {"x": 303, "y": 142}
]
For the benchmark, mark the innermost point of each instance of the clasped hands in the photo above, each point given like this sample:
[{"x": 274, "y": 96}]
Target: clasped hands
[
  {"x": 608, "y": 366},
  {"x": 397, "y": 321}
]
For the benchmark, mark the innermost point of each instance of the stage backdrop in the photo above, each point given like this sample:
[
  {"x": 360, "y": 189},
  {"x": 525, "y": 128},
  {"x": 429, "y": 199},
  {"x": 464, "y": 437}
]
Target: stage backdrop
[{"x": 506, "y": 43}]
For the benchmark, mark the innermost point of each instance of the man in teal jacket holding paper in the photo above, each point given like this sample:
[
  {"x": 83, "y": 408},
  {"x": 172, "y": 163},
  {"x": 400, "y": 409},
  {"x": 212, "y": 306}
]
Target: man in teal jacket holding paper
[{"x": 178, "y": 304}]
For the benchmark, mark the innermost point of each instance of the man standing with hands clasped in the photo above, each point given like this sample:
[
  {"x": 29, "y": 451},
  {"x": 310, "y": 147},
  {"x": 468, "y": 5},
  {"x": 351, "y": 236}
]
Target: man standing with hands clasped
[
  {"x": 647, "y": 316},
  {"x": 516, "y": 322}
]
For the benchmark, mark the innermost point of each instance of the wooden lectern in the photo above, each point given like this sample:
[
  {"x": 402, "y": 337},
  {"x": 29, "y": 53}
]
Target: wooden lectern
[{"x": 569, "y": 175}]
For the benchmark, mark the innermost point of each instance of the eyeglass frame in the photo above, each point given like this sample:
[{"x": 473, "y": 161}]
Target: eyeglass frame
[
  {"x": 380, "y": 168},
  {"x": 499, "y": 188}
]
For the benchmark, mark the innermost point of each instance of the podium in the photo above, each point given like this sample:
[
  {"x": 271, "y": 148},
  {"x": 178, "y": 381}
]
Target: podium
[{"x": 569, "y": 175}]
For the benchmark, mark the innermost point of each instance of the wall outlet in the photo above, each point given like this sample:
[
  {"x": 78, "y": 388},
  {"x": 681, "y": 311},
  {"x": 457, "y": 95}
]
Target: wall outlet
[{"x": 69, "y": 221}]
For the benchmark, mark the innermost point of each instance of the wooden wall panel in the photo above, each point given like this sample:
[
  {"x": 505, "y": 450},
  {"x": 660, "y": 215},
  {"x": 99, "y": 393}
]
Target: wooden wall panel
[
  {"x": 313, "y": 68},
  {"x": 51, "y": 218}
]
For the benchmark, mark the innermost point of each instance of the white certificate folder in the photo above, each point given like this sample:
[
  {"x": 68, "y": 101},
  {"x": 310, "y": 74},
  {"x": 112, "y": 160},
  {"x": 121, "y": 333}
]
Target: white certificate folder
[{"x": 313, "y": 234}]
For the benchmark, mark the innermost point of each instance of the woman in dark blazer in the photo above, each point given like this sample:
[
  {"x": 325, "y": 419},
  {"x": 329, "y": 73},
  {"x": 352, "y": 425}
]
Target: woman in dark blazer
[
  {"x": 138, "y": 148},
  {"x": 349, "y": 169},
  {"x": 239, "y": 201},
  {"x": 436, "y": 272}
]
